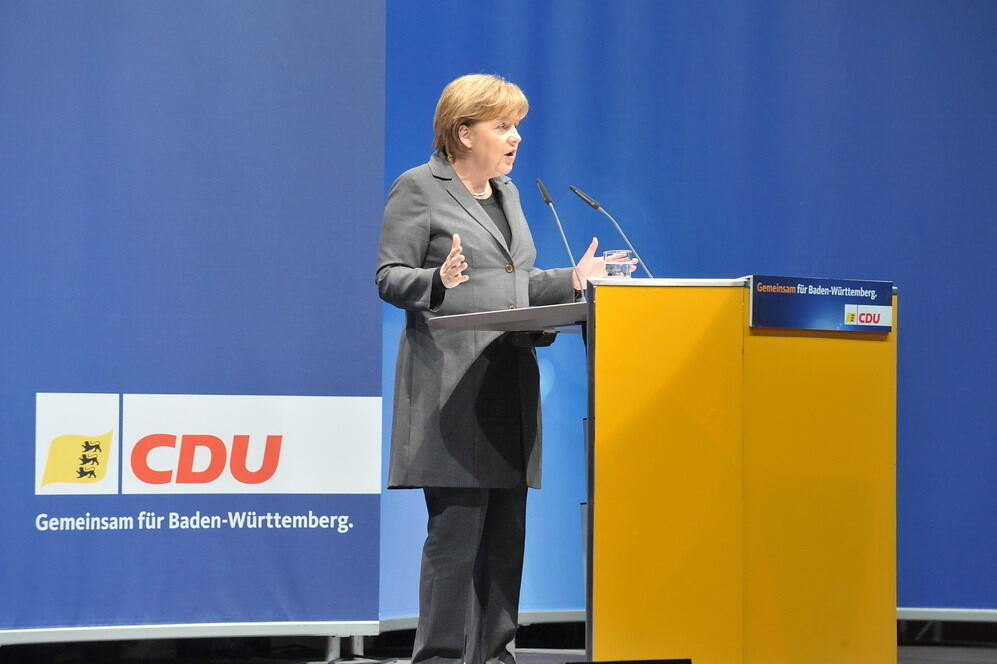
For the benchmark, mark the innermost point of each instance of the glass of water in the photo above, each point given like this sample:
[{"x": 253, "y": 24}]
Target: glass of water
[{"x": 618, "y": 262}]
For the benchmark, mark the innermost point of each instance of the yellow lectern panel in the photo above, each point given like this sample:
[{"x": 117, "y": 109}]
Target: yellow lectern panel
[
  {"x": 819, "y": 499},
  {"x": 742, "y": 484},
  {"x": 666, "y": 500}
]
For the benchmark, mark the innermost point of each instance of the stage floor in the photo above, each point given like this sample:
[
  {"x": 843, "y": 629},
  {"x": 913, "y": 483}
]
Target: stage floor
[{"x": 235, "y": 652}]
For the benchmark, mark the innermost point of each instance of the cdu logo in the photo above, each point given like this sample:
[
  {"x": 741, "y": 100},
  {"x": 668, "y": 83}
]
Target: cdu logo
[
  {"x": 206, "y": 443},
  {"x": 868, "y": 315}
]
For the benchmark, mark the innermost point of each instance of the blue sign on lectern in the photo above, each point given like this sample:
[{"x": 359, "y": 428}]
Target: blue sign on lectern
[{"x": 805, "y": 303}]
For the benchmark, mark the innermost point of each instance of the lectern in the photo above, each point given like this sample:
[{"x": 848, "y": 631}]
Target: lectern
[{"x": 741, "y": 480}]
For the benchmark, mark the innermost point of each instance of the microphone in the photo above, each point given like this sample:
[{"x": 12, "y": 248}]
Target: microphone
[
  {"x": 595, "y": 204},
  {"x": 585, "y": 197},
  {"x": 543, "y": 192},
  {"x": 550, "y": 203}
]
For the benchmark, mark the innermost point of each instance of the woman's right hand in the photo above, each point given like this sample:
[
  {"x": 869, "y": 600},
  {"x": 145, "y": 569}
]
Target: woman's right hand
[{"x": 453, "y": 267}]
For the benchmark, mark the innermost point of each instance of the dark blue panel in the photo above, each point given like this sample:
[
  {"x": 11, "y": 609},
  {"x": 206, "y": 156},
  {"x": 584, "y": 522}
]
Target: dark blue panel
[
  {"x": 189, "y": 195},
  {"x": 807, "y": 303}
]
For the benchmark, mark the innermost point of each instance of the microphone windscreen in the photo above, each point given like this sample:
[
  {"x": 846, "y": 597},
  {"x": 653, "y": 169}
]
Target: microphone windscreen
[
  {"x": 585, "y": 197},
  {"x": 543, "y": 192}
]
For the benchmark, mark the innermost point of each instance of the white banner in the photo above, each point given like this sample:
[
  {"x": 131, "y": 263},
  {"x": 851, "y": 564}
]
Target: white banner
[{"x": 176, "y": 443}]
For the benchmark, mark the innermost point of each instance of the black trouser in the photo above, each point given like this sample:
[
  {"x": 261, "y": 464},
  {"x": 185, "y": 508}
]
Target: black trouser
[{"x": 472, "y": 565}]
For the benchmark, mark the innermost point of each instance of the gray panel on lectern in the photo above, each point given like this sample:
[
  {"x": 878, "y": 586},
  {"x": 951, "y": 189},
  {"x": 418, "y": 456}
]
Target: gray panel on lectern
[{"x": 528, "y": 319}]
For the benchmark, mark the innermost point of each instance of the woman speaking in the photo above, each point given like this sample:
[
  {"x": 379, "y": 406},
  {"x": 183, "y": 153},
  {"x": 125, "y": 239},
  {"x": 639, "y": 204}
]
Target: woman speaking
[{"x": 466, "y": 421}]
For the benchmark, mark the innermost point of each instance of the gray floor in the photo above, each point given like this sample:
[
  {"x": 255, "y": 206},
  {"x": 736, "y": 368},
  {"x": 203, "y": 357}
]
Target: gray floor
[
  {"x": 160, "y": 653},
  {"x": 931, "y": 655}
]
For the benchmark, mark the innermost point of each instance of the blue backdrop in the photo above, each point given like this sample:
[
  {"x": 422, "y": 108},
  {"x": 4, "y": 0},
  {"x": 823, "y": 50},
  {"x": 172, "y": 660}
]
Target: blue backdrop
[
  {"x": 190, "y": 196},
  {"x": 841, "y": 139}
]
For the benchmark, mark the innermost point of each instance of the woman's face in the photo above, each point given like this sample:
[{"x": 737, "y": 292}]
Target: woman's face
[{"x": 492, "y": 145}]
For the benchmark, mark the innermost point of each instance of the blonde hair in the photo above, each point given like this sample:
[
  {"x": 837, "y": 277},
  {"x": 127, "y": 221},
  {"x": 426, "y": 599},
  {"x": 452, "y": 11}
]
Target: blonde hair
[{"x": 473, "y": 98}]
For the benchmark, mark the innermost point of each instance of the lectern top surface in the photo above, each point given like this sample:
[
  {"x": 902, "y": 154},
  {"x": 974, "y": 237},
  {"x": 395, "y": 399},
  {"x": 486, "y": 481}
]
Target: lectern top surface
[{"x": 739, "y": 282}]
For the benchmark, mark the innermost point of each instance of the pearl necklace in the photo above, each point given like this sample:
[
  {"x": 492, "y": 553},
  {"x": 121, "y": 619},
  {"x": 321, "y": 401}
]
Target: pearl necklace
[{"x": 481, "y": 194}]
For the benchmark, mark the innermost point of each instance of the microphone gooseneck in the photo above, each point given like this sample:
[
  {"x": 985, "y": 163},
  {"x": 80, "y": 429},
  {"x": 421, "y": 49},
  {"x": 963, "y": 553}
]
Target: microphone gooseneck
[
  {"x": 595, "y": 204},
  {"x": 550, "y": 203}
]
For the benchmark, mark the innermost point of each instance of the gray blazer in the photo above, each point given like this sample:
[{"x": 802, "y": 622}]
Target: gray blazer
[{"x": 467, "y": 403}]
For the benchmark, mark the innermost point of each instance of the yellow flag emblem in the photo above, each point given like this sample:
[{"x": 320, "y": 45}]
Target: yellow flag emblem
[{"x": 78, "y": 459}]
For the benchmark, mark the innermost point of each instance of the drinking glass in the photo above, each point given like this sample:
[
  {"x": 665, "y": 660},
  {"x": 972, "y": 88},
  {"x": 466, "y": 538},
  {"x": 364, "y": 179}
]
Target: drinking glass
[{"x": 618, "y": 262}]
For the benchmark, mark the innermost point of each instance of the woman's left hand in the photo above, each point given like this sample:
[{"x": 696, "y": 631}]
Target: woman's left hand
[{"x": 588, "y": 267}]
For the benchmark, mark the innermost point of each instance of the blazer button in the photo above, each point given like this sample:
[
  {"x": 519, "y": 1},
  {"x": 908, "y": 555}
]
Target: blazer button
[
  {"x": 512, "y": 306},
  {"x": 509, "y": 268}
]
